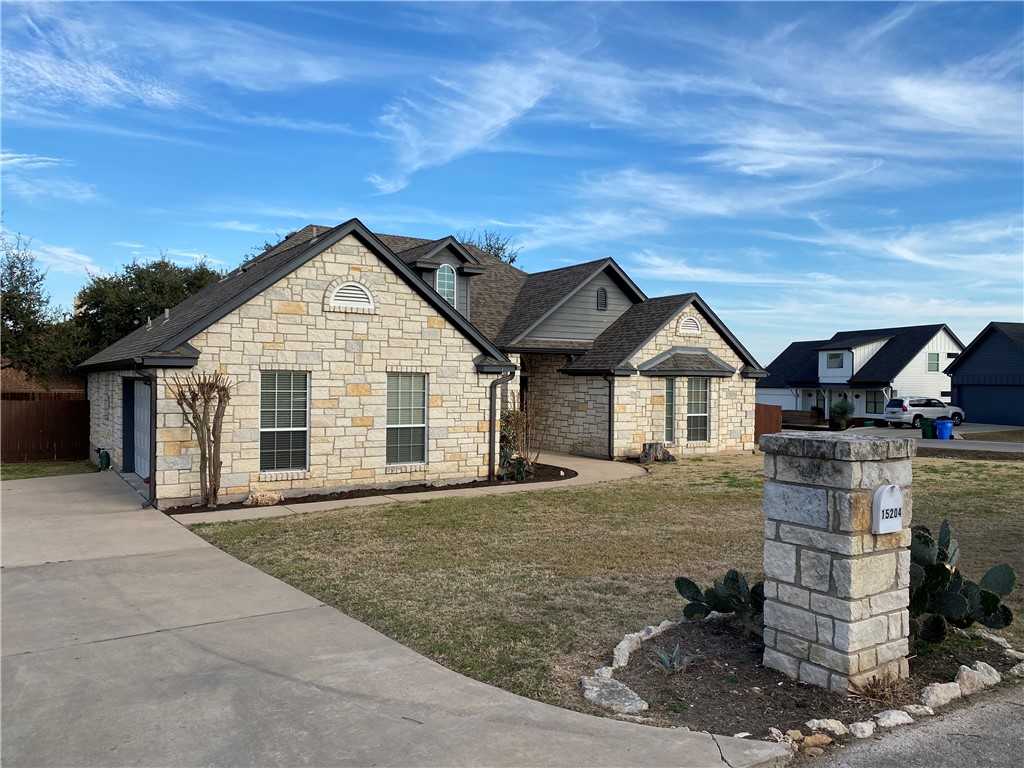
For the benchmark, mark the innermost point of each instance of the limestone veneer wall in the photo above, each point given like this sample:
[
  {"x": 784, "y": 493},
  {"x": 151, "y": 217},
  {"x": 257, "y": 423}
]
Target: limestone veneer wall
[
  {"x": 640, "y": 400},
  {"x": 106, "y": 418},
  {"x": 348, "y": 355},
  {"x": 573, "y": 409}
]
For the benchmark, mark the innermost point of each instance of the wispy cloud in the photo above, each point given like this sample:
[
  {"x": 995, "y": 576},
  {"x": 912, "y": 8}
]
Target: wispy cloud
[
  {"x": 65, "y": 259},
  {"x": 134, "y": 246},
  {"x": 28, "y": 177}
]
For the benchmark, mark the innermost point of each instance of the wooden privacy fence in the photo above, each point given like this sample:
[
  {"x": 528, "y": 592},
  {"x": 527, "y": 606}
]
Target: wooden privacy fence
[
  {"x": 44, "y": 430},
  {"x": 767, "y": 420}
]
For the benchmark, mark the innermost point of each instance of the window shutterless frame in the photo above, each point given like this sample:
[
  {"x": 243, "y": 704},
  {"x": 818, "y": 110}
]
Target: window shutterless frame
[
  {"x": 445, "y": 282},
  {"x": 834, "y": 360},
  {"x": 933, "y": 362},
  {"x": 697, "y": 400},
  {"x": 408, "y": 398},
  {"x": 284, "y": 421},
  {"x": 670, "y": 410}
]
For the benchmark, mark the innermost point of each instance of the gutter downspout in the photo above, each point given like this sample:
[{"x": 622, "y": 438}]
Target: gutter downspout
[
  {"x": 611, "y": 415},
  {"x": 492, "y": 458},
  {"x": 151, "y": 501}
]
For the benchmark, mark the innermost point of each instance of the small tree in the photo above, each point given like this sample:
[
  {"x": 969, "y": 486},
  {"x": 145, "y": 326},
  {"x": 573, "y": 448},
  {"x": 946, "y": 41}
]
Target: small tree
[
  {"x": 203, "y": 398},
  {"x": 491, "y": 241},
  {"x": 521, "y": 430}
]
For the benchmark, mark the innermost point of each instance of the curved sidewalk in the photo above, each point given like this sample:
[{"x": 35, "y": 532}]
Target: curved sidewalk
[
  {"x": 129, "y": 641},
  {"x": 588, "y": 471}
]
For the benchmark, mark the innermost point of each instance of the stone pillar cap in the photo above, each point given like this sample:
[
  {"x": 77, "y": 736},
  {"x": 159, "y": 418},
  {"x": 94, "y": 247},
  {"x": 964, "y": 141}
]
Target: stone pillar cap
[{"x": 838, "y": 445}]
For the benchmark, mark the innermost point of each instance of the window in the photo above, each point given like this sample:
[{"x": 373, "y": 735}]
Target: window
[
  {"x": 834, "y": 360},
  {"x": 874, "y": 402},
  {"x": 933, "y": 361},
  {"x": 689, "y": 326},
  {"x": 819, "y": 401},
  {"x": 284, "y": 420},
  {"x": 602, "y": 299},
  {"x": 446, "y": 283},
  {"x": 670, "y": 410},
  {"x": 696, "y": 410},
  {"x": 350, "y": 296},
  {"x": 407, "y": 418}
]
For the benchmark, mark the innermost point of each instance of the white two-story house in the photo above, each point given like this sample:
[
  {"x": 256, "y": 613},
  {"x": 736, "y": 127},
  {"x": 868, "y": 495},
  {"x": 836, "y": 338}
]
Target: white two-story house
[{"x": 867, "y": 367}]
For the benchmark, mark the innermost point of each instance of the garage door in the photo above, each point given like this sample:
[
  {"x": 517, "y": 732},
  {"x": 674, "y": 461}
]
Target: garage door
[
  {"x": 992, "y": 404},
  {"x": 142, "y": 428}
]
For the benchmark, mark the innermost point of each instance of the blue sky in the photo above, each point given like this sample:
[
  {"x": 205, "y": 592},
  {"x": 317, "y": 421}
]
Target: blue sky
[{"x": 806, "y": 168}]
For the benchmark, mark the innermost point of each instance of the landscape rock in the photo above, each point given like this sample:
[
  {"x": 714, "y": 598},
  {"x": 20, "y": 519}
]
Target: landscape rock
[
  {"x": 1017, "y": 670},
  {"x": 1000, "y": 641},
  {"x": 834, "y": 727},
  {"x": 813, "y": 751},
  {"x": 989, "y": 676},
  {"x": 892, "y": 718},
  {"x": 628, "y": 644},
  {"x": 1012, "y": 654},
  {"x": 741, "y": 735},
  {"x": 794, "y": 734},
  {"x": 264, "y": 499},
  {"x": 613, "y": 695},
  {"x": 817, "y": 740},
  {"x": 603, "y": 672},
  {"x": 918, "y": 710},
  {"x": 864, "y": 730},
  {"x": 970, "y": 682},
  {"x": 776, "y": 735},
  {"x": 940, "y": 694}
]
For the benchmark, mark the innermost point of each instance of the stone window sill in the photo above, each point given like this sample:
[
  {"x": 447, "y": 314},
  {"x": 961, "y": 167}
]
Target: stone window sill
[
  {"x": 269, "y": 477},
  {"x": 396, "y": 469}
]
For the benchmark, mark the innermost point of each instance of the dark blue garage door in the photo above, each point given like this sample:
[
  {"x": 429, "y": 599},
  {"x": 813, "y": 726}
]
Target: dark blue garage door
[{"x": 992, "y": 404}]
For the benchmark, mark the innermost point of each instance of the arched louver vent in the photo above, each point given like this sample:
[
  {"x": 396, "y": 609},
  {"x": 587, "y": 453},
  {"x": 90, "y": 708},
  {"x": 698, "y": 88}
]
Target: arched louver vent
[
  {"x": 602, "y": 298},
  {"x": 351, "y": 296},
  {"x": 689, "y": 326}
]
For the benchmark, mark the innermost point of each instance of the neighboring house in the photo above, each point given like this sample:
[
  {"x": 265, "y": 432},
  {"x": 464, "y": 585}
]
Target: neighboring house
[
  {"x": 372, "y": 360},
  {"x": 869, "y": 367},
  {"x": 988, "y": 376}
]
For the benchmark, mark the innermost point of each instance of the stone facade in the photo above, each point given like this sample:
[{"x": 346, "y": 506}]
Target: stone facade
[
  {"x": 640, "y": 400},
  {"x": 836, "y": 595},
  {"x": 572, "y": 410},
  {"x": 106, "y": 417},
  {"x": 347, "y": 356}
]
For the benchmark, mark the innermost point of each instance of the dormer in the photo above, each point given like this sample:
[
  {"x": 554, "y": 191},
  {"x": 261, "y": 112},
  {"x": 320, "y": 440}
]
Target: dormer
[
  {"x": 446, "y": 266},
  {"x": 839, "y": 360}
]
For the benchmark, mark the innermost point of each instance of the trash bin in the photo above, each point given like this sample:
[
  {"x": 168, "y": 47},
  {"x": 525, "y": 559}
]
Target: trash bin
[
  {"x": 928, "y": 428},
  {"x": 943, "y": 429}
]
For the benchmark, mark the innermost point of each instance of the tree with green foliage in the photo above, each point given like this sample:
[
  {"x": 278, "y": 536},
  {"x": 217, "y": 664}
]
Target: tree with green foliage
[
  {"x": 111, "y": 306},
  {"x": 491, "y": 241},
  {"x": 37, "y": 338}
]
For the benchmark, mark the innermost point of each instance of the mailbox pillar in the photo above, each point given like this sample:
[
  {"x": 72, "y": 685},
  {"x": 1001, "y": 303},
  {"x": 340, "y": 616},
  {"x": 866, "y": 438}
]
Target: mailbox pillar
[{"x": 836, "y": 595}]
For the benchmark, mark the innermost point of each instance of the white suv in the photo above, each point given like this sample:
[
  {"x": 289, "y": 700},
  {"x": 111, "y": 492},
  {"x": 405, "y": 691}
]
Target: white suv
[{"x": 910, "y": 410}]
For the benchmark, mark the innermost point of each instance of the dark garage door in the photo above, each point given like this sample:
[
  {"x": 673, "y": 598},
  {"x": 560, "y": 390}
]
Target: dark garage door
[{"x": 992, "y": 404}]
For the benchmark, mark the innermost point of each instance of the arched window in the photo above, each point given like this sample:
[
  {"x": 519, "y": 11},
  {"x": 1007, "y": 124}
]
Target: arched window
[
  {"x": 689, "y": 326},
  {"x": 446, "y": 283},
  {"x": 602, "y": 298},
  {"x": 348, "y": 296}
]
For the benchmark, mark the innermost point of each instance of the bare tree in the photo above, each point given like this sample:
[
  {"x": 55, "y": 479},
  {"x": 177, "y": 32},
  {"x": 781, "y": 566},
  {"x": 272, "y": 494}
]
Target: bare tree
[
  {"x": 491, "y": 241},
  {"x": 203, "y": 398}
]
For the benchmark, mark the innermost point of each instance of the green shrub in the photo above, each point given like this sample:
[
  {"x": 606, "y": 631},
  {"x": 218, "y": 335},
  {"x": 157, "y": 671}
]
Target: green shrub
[{"x": 730, "y": 595}]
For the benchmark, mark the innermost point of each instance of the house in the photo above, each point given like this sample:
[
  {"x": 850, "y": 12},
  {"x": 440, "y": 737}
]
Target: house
[
  {"x": 364, "y": 360},
  {"x": 988, "y": 376},
  {"x": 868, "y": 366}
]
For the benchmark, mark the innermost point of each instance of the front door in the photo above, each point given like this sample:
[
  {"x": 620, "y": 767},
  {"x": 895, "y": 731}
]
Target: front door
[{"x": 142, "y": 428}]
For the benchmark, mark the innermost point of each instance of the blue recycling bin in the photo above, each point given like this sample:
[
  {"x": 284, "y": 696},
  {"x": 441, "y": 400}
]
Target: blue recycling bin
[{"x": 943, "y": 429}]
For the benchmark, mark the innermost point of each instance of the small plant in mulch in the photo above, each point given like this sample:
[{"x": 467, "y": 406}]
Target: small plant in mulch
[{"x": 731, "y": 595}]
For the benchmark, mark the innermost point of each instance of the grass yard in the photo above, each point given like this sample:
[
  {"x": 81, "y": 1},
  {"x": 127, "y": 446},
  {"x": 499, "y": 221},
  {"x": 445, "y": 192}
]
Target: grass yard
[
  {"x": 529, "y": 591},
  {"x": 45, "y": 469},
  {"x": 1007, "y": 436}
]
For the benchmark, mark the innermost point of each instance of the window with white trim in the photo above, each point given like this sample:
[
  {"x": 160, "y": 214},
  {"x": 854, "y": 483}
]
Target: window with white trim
[
  {"x": 834, "y": 360},
  {"x": 445, "y": 282},
  {"x": 933, "y": 361},
  {"x": 696, "y": 410},
  {"x": 874, "y": 402},
  {"x": 407, "y": 418},
  {"x": 284, "y": 421},
  {"x": 351, "y": 296},
  {"x": 670, "y": 410}
]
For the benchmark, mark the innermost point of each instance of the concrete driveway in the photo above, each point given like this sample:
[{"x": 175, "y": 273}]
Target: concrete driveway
[{"x": 129, "y": 641}]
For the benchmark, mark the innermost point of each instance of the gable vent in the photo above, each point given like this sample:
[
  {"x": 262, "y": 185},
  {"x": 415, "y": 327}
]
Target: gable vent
[
  {"x": 602, "y": 299},
  {"x": 689, "y": 326},
  {"x": 351, "y": 296}
]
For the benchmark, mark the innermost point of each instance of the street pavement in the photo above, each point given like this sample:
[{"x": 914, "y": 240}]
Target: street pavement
[{"x": 128, "y": 641}]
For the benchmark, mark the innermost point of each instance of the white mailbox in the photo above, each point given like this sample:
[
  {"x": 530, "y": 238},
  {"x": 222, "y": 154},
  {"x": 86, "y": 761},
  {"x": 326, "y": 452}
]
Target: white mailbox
[{"x": 887, "y": 510}]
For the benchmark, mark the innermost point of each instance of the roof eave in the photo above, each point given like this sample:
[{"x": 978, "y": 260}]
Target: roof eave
[{"x": 687, "y": 372}]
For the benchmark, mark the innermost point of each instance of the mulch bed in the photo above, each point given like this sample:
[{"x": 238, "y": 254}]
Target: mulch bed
[
  {"x": 543, "y": 473},
  {"x": 727, "y": 691}
]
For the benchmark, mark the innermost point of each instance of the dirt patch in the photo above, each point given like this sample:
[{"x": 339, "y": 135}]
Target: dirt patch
[
  {"x": 543, "y": 473},
  {"x": 728, "y": 691}
]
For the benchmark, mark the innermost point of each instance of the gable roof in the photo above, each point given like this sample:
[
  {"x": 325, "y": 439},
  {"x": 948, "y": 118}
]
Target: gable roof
[
  {"x": 798, "y": 364},
  {"x": 687, "y": 361},
  {"x": 1012, "y": 331},
  {"x": 165, "y": 341},
  {"x": 545, "y": 292},
  {"x": 636, "y": 326}
]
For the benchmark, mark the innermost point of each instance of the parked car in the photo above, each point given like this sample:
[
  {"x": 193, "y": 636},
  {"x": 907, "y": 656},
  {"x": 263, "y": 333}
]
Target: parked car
[{"x": 910, "y": 410}]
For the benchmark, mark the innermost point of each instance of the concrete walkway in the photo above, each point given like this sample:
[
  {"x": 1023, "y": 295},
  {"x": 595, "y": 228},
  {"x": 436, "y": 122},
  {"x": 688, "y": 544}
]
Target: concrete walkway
[
  {"x": 128, "y": 641},
  {"x": 588, "y": 472}
]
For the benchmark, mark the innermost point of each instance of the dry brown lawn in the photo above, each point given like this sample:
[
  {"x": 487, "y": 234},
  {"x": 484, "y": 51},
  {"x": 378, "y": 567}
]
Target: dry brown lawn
[{"x": 529, "y": 591}]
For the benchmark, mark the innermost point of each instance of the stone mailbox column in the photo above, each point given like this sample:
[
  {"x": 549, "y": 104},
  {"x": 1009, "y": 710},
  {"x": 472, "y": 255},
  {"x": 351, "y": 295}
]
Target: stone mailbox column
[{"x": 836, "y": 596}]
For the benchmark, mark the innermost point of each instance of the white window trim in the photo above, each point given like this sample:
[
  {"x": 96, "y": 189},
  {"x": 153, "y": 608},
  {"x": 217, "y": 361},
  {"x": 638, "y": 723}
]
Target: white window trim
[
  {"x": 455, "y": 283},
  {"x": 706, "y": 413},
  {"x": 829, "y": 356},
  {"x": 426, "y": 429},
  {"x": 928, "y": 362},
  {"x": 333, "y": 304},
  {"x": 294, "y": 473},
  {"x": 689, "y": 326},
  {"x": 670, "y": 410}
]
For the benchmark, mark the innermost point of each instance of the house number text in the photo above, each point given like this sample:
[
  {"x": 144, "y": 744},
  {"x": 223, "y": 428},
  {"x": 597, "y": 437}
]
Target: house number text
[{"x": 887, "y": 510}]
